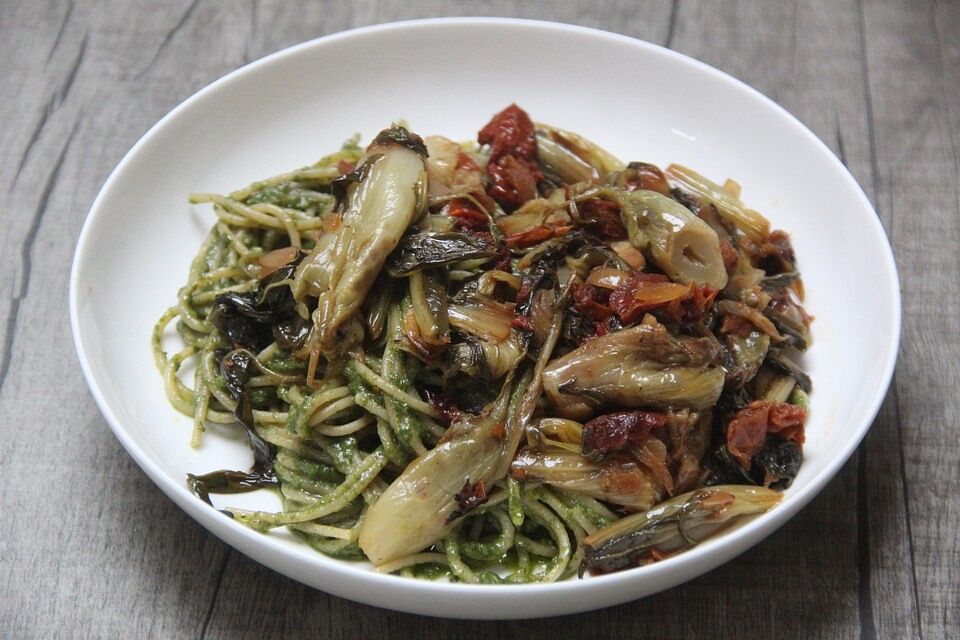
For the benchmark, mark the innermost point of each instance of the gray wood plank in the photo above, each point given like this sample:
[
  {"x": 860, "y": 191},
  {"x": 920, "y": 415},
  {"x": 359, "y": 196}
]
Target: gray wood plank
[
  {"x": 91, "y": 77},
  {"x": 909, "y": 46},
  {"x": 89, "y": 546}
]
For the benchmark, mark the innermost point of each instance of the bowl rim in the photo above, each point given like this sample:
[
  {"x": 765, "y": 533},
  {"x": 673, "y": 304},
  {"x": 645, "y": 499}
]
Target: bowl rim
[{"x": 690, "y": 563}]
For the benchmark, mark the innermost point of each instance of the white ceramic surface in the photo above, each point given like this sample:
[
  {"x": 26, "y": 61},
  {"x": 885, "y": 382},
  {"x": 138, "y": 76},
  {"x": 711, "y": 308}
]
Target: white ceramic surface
[{"x": 448, "y": 76}]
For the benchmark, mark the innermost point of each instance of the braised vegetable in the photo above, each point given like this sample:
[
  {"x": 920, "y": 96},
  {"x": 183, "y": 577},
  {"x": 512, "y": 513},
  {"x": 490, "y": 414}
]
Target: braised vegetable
[
  {"x": 733, "y": 211},
  {"x": 622, "y": 480},
  {"x": 377, "y": 208},
  {"x": 415, "y": 510},
  {"x": 433, "y": 249},
  {"x": 635, "y": 367},
  {"x": 419, "y": 507},
  {"x": 676, "y": 524},
  {"x": 573, "y": 157},
  {"x": 678, "y": 242}
]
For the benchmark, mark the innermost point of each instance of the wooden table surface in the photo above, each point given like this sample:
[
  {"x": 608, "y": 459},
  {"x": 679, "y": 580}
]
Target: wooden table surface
[{"x": 89, "y": 547}]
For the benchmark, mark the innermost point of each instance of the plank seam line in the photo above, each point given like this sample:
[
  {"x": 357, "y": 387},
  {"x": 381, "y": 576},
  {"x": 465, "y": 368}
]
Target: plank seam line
[
  {"x": 254, "y": 27},
  {"x": 166, "y": 40},
  {"x": 672, "y": 24},
  {"x": 52, "y": 104},
  {"x": 216, "y": 594},
  {"x": 13, "y": 315},
  {"x": 906, "y": 507},
  {"x": 946, "y": 102},
  {"x": 868, "y": 97},
  {"x": 868, "y": 628},
  {"x": 875, "y": 169},
  {"x": 45, "y": 113},
  {"x": 60, "y": 32},
  {"x": 874, "y": 166},
  {"x": 64, "y": 89}
]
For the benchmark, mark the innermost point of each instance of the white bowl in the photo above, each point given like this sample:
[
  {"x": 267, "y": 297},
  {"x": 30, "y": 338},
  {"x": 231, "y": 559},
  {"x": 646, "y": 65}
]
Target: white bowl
[{"x": 448, "y": 76}]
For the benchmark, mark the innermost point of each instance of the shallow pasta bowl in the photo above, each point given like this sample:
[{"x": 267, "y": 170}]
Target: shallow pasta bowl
[{"x": 292, "y": 107}]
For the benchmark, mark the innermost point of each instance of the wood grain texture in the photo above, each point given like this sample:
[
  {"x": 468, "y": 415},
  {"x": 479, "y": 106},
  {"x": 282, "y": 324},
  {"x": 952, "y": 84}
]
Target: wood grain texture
[
  {"x": 877, "y": 80},
  {"x": 917, "y": 187}
]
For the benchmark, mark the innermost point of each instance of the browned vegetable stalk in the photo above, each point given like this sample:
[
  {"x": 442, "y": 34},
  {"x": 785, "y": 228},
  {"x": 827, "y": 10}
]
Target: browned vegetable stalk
[
  {"x": 422, "y": 504},
  {"x": 674, "y": 525},
  {"x": 385, "y": 195},
  {"x": 618, "y": 480},
  {"x": 636, "y": 367}
]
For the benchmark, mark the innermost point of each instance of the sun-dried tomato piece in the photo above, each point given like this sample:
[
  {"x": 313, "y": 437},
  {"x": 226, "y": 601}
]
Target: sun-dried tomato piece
[
  {"x": 590, "y": 301},
  {"x": 786, "y": 420},
  {"x": 444, "y": 405},
  {"x": 736, "y": 326},
  {"x": 510, "y": 132},
  {"x": 512, "y": 182},
  {"x": 775, "y": 254},
  {"x": 468, "y": 215},
  {"x": 602, "y": 218},
  {"x": 729, "y": 255},
  {"x": 642, "y": 292},
  {"x": 512, "y": 168},
  {"x": 691, "y": 306},
  {"x": 671, "y": 301},
  {"x": 614, "y": 431},
  {"x": 464, "y": 161},
  {"x": 536, "y": 235},
  {"x": 503, "y": 259},
  {"x": 747, "y": 431},
  {"x": 581, "y": 292},
  {"x": 468, "y": 498},
  {"x": 594, "y": 310}
]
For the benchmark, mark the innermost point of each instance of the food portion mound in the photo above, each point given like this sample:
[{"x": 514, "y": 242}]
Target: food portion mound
[{"x": 507, "y": 360}]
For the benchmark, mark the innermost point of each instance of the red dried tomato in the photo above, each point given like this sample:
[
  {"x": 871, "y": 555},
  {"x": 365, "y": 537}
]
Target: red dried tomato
[
  {"x": 503, "y": 259},
  {"x": 614, "y": 431},
  {"x": 786, "y": 420},
  {"x": 468, "y": 498},
  {"x": 510, "y": 132},
  {"x": 444, "y": 406},
  {"x": 523, "y": 323},
  {"x": 590, "y": 301},
  {"x": 602, "y": 218},
  {"x": 642, "y": 292},
  {"x": 693, "y": 305},
  {"x": 736, "y": 326},
  {"x": 512, "y": 167},
  {"x": 729, "y": 255},
  {"x": 747, "y": 431},
  {"x": 536, "y": 234},
  {"x": 468, "y": 215},
  {"x": 464, "y": 161},
  {"x": 512, "y": 182}
]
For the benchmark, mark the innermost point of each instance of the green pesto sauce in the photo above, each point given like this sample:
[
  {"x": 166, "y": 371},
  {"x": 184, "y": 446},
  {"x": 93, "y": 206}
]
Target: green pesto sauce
[{"x": 290, "y": 195}]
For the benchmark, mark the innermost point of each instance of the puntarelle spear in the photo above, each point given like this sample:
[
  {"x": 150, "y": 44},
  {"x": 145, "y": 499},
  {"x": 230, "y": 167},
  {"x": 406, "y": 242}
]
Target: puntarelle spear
[{"x": 383, "y": 196}]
